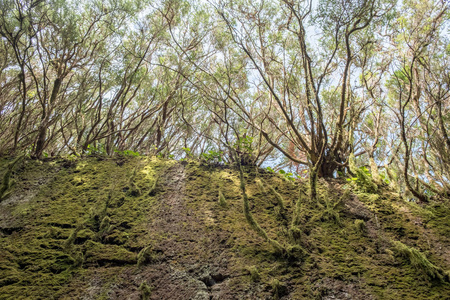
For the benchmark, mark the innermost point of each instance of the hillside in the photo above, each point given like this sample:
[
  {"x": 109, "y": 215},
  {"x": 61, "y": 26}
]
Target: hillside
[{"x": 147, "y": 228}]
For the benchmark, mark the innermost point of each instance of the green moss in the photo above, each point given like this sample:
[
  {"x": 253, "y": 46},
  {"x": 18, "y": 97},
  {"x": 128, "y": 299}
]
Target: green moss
[
  {"x": 72, "y": 237},
  {"x": 260, "y": 185},
  {"x": 279, "y": 289},
  {"x": 419, "y": 261},
  {"x": 97, "y": 253},
  {"x": 7, "y": 182},
  {"x": 248, "y": 215},
  {"x": 222, "y": 200},
  {"x": 146, "y": 256},
  {"x": 146, "y": 291},
  {"x": 360, "y": 226},
  {"x": 154, "y": 186},
  {"x": 315, "y": 249},
  {"x": 134, "y": 189},
  {"x": 254, "y": 274}
]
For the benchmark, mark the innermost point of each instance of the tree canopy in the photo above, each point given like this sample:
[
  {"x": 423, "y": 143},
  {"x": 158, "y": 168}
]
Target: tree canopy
[{"x": 323, "y": 88}]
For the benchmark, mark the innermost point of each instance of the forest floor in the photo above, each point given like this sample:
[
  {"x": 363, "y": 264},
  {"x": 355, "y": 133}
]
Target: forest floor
[{"x": 147, "y": 228}]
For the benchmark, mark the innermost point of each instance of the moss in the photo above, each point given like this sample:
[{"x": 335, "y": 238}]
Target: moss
[
  {"x": 260, "y": 185},
  {"x": 97, "y": 253},
  {"x": 105, "y": 227},
  {"x": 134, "y": 190},
  {"x": 222, "y": 201},
  {"x": 419, "y": 261},
  {"x": 280, "y": 201},
  {"x": 72, "y": 237},
  {"x": 254, "y": 274},
  {"x": 145, "y": 290},
  {"x": 316, "y": 251},
  {"x": 7, "y": 182},
  {"x": 295, "y": 234},
  {"x": 154, "y": 186},
  {"x": 279, "y": 289},
  {"x": 146, "y": 256},
  {"x": 360, "y": 226},
  {"x": 251, "y": 221}
]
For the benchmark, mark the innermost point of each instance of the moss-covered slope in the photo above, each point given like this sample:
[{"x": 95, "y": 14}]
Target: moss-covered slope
[{"x": 144, "y": 228}]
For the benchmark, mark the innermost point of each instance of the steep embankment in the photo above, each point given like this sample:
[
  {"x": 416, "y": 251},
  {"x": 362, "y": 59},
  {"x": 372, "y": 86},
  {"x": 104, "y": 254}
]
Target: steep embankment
[{"x": 143, "y": 228}]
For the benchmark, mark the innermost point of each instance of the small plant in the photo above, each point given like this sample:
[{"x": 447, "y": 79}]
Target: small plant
[
  {"x": 127, "y": 153},
  {"x": 270, "y": 170},
  {"x": 288, "y": 176},
  {"x": 188, "y": 152},
  {"x": 146, "y": 291},
  {"x": 254, "y": 274},
  {"x": 92, "y": 149},
  {"x": 212, "y": 157},
  {"x": 244, "y": 144},
  {"x": 222, "y": 200},
  {"x": 244, "y": 150},
  {"x": 363, "y": 177}
]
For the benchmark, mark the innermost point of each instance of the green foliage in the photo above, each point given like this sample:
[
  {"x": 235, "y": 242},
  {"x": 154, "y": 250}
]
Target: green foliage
[
  {"x": 385, "y": 178},
  {"x": 188, "y": 152},
  {"x": 245, "y": 144},
  {"x": 287, "y": 175},
  {"x": 269, "y": 169},
  {"x": 212, "y": 157},
  {"x": 127, "y": 153},
  {"x": 93, "y": 150},
  {"x": 363, "y": 179},
  {"x": 244, "y": 149}
]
